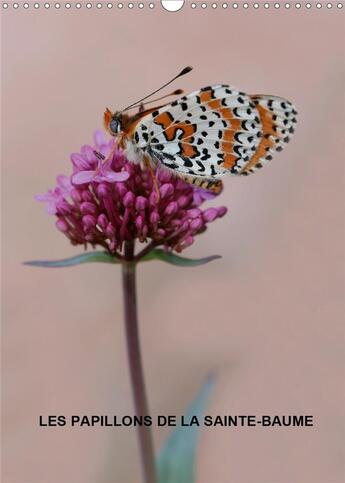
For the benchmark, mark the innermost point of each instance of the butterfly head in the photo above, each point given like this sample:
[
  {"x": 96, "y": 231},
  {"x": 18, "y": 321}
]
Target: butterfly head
[{"x": 113, "y": 122}]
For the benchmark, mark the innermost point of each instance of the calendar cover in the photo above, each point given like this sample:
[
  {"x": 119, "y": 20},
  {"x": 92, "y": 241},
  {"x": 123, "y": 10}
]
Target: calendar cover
[{"x": 173, "y": 241}]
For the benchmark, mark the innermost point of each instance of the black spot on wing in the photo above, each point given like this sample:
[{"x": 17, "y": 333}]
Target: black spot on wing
[
  {"x": 164, "y": 158},
  {"x": 205, "y": 155},
  {"x": 169, "y": 156},
  {"x": 201, "y": 166},
  {"x": 187, "y": 162}
]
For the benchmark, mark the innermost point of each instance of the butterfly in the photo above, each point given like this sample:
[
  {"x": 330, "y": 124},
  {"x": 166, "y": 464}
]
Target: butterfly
[{"x": 206, "y": 135}]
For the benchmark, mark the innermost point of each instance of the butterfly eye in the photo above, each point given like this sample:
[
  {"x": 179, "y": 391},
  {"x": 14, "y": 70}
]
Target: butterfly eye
[{"x": 114, "y": 125}]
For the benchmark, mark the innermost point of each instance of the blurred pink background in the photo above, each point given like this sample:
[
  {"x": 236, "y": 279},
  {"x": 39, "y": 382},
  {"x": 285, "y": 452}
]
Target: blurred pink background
[{"x": 268, "y": 317}]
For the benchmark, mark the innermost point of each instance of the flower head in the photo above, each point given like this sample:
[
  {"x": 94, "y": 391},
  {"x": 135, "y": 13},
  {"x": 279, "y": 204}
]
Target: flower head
[
  {"x": 58, "y": 195},
  {"x": 109, "y": 202}
]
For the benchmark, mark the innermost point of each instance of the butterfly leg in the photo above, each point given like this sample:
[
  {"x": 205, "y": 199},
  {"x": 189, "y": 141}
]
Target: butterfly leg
[
  {"x": 112, "y": 151},
  {"x": 148, "y": 165}
]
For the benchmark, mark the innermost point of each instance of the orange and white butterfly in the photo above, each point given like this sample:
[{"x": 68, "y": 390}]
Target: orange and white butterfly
[{"x": 207, "y": 134}]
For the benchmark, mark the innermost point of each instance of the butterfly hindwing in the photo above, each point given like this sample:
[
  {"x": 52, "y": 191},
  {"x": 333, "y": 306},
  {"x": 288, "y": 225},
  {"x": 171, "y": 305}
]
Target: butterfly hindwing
[
  {"x": 215, "y": 131},
  {"x": 207, "y": 133},
  {"x": 278, "y": 119}
]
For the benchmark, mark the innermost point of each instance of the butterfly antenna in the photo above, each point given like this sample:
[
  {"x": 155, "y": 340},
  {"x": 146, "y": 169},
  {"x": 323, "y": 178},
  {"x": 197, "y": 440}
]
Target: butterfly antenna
[
  {"x": 178, "y": 92},
  {"x": 184, "y": 71}
]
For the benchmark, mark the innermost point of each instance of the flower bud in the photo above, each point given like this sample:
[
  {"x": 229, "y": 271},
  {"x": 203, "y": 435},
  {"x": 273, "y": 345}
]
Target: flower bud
[
  {"x": 145, "y": 231},
  {"x": 62, "y": 225},
  {"x": 166, "y": 190},
  {"x": 164, "y": 176},
  {"x": 110, "y": 230},
  {"x": 141, "y": 203},
  {"x": 196, "y": 224},
  {"x": 102, "y": 221},
  {"x": 76, "y": 196},
  {"x": 154, "y": 217},
  {"x": 63, "y": 208},
  {"x": 89, "y": 222},
  {"x": 153, "y": 199},
  {"x": 222, "y": 210},
  {"x": 175, "y": 222},
  {"x": 88, "y": 208},
  {"x": 171, "y": 209},
  {"x": 129, "y": 199},
  {"x": 187, "y": 241},
  {"x": 180, "y": 184},
  {"x": 184, "y": 226},
  {"x": 183, "y": 200},
  {"x": 210, "y": 214},
  {"x": 139, "y": 222},
  {"x": 194, "y": 213},
  {"x": 121, "y": 189},
  {"x": 103, "y": 190},
  {"x": 86, "y": 195}
]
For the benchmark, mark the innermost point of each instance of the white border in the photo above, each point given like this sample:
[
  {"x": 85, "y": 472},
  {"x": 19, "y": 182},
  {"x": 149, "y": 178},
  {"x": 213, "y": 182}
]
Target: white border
[{"x": 211, "y": 5}]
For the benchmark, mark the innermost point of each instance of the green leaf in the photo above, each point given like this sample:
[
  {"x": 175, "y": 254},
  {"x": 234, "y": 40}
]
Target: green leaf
[
  {"x": 104, "y": 257},
  {"x": 88, "y": 257},
  {"x": 173, "y": 259},
  {"x": 176, "y": 461}
]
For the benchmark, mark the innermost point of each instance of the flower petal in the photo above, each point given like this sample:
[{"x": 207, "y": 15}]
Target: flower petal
[
  {"x": 88, "y": 153},
  {"x": 43, "y": 198},
  {"x": 200, "y": 195},
  {"x": 64, "y": 182},
  {"x": 99, "y": 138},
  {"x": 83, "y": 177},
  {"x": 115, "y": 176},
  {"x": 79, "y": 162},
  {"x": 51, "y": 208}
]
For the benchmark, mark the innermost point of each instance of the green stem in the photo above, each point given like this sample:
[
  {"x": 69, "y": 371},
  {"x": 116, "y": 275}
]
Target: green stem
[{"x": 135, "y": 363}]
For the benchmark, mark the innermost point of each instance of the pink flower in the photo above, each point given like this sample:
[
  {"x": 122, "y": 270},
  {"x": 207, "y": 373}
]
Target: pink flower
[
  {"x": 103, "y": 172},
  {"x": 57, "y": 195},
  {"x": 108, "y": 202},
  {"x": 88, "y": 167},
  {"x": 201, "y": 195}
]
